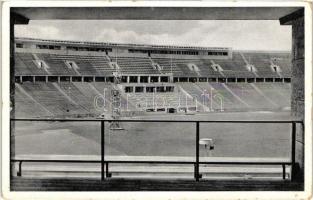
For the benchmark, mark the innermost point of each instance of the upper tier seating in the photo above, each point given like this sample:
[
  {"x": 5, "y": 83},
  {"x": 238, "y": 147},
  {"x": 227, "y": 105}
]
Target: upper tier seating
[
  {"x": 56, "y": 64},
  {"x": 135, "y": 65},
  {"x": 87, "y": 65},
  {"x": 262, "y": 62},
  {"x": 168, "y": 65},
  {"x": 235, "y": 64},
  {"x": 24, "y": 65},
  {"x": 100, "y": 65}
]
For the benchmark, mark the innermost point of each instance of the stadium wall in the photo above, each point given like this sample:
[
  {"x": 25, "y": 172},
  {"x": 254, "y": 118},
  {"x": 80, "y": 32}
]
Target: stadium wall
[{"x": 296, "y": 19}]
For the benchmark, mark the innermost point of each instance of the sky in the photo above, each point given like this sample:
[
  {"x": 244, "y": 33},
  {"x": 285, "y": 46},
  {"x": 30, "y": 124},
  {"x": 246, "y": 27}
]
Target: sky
[{"x": 238, "y": 34}]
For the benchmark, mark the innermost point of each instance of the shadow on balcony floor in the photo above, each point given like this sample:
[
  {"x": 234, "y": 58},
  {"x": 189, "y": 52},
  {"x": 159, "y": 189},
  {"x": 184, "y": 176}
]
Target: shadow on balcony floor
[{"x": 114, "y": 184}]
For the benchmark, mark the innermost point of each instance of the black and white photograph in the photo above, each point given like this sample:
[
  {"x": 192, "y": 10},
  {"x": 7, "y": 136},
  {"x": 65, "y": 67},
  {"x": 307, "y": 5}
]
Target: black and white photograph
[{"x": 157, "y": 98}]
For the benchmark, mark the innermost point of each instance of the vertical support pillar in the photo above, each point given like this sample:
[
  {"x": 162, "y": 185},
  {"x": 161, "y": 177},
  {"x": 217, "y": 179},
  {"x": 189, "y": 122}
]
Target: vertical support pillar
[
  {"x": 102, "y": 150},
  {"x": 14, "y": 19},
  {"x": 296, "y": 20},
  {"x": 284, "y": 171},
  {"x": 293, "y": 150},
  {"x": 59, "y": 79}
]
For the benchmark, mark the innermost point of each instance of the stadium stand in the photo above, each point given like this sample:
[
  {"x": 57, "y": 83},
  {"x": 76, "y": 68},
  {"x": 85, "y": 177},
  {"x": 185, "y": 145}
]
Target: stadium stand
[
  {"x": 70, "y": 80},
  {"x": 52, "y": 99},
  {"x": 135, "y": 65},
  {"x": 25, "y": 105},
  {"x": 277, "y": 92},
  {"x": 250, "y": 95},
  {"x": 25, "y": 65}
]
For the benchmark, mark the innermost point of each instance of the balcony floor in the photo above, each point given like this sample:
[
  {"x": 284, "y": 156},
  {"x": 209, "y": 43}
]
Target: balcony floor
[{"x": 118, "y": 184}]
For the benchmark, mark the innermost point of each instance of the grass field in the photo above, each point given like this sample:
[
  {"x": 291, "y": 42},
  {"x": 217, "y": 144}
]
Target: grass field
[{"x": 158, "y": 139}]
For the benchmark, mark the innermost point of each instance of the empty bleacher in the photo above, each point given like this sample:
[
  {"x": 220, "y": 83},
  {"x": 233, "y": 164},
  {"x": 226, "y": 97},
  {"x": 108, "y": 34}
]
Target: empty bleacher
[
  {"x": 99, "y": 65},
  {"x": 263, "y": 61},
  {"x": 168, "y": 65},
  {"x": 49, "y": 96},
  {"x": 278, "y": 92},
  {"x": 250, "y": 95},
  {"x": 230, "y": 101},
  {"x": 135, "y": 65},
  {"x": 78, "y": 97},
  {"x": 26, "y": 106},
  {"x": 24, "y": 65},
  {"x": 88, "y": 65}
]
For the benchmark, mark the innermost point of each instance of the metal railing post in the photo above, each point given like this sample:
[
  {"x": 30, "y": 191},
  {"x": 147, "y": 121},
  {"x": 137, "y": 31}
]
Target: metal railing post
[
  {"x": 19, "y": 173},
  {"x": 293, "y": 150},
  {"x": 196, "y": 174},
  {"x": 102, "y": 150},
  {"x": 284, "y": 171},
  {"x": 107, "y": 173}
]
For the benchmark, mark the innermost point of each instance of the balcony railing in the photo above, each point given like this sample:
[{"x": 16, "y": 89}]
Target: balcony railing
[{"x": 105, "y": 173}]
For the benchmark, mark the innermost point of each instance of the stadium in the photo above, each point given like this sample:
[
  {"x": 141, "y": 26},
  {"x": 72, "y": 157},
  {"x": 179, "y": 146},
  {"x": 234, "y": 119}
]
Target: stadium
[
  {"x": 182, "y": 78},
  {"x": 123, "y": 112}
]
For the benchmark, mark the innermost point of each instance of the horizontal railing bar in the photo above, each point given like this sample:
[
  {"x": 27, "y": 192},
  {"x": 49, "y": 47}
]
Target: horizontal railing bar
[
  {"x": 173, "y": 121},
  {"x": 59, "y": 161},
  {"x": 154, "y": 162},
  {"x": 247, "y": 163}
]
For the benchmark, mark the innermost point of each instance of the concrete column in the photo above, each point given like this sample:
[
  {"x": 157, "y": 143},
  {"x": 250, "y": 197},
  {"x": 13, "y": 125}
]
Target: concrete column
[
  {"x": 127, "y": 79},
  {"x": 297, "y": 84},
  {"x": 171, "y": 79},
  {"x": 34, "y": 79},
  {"x": 14, "y": 19},
  {"x": 46, "y": 79},
  {"x": 93, "y": 79},
  {"x": 138, "y": 79},
  {"x": 71, "y": 79},
  {"x": 149, "y": 79},
  {"x": 296, "y": 19},
  {"x": 59, "y": 79}
]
